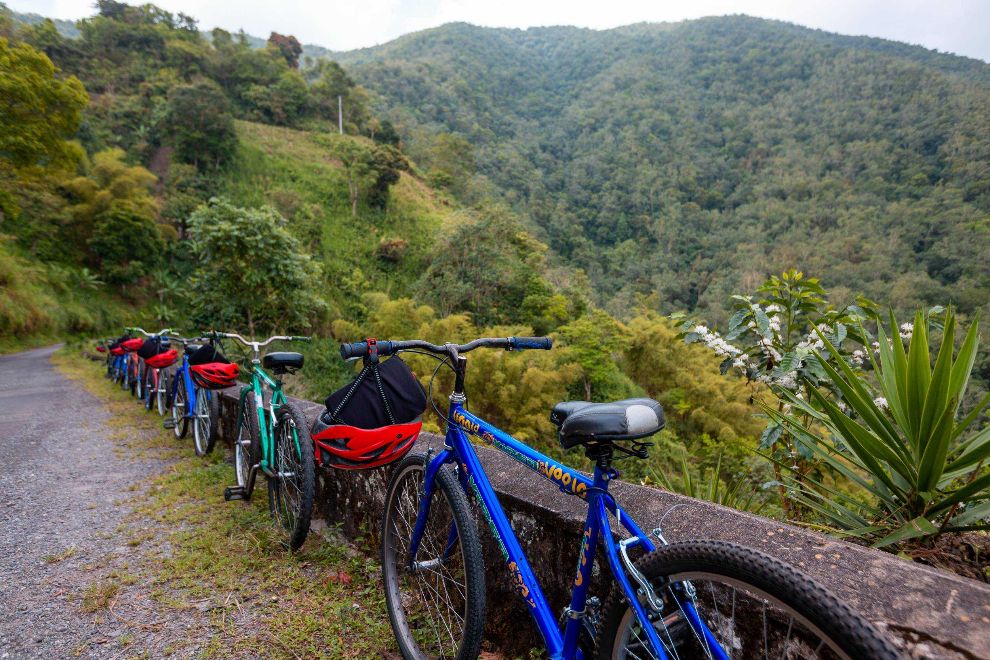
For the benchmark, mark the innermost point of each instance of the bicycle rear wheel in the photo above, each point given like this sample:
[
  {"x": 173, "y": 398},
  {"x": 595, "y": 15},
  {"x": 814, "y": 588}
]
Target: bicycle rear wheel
[
  {"x": 437, "y": 606},
  {"x": 291, "y": 493},
  {"x": 754, "y": 605}
]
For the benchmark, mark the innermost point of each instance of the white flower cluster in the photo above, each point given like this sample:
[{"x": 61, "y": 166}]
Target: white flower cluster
[
  {"x": 859, "y": 357},
  {"x": 714, "y": 341},
  {"x": 907, "y": 329},
  {"x": 880, "y": 402}
]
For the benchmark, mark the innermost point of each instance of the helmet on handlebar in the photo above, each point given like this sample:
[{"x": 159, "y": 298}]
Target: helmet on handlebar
[
  {"x": 214, "y": 375},
  {"x": 132, "y": 345},
  {"x": 164, "y": 359},
  {"x": 372, "y": 421}
]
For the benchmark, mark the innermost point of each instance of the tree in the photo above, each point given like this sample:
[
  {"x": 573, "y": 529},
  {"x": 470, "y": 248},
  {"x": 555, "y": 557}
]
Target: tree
[
  {"x": 39, "y": 110},
  {"x": 282, "y": 103},
  {"x": 126, "y": 244},
  {"x": 370, "y": 169},
  {"x": 251, "y": 269},
  {"x": 287, "y": 46},
  {"x": 201, "y": 125},
  {"x": 113, "y": 212}
]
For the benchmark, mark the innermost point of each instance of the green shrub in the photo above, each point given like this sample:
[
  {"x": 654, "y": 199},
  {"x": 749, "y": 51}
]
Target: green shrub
[{"x": 912, "y": 469}]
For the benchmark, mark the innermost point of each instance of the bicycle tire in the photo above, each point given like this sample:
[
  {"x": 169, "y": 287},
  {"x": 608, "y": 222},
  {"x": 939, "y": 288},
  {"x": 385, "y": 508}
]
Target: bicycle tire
[
  {"x": 205, "y": 432},
  {"x": 291, "y": 420},
  {"x": 842, "y": 632},
  {"x": 161, "y": 393},
  {"x": 214, "y": 409},
  {"x": 202, "y": 440},
  {"x": 148, "y": 387},
  {"x": 247, "y": 449},
  {"x": 450, "y": 505},
  {"x": 180, "y": 402}
]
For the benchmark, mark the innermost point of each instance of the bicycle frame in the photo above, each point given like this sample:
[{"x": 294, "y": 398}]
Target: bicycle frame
[
  {"x": 266, "y": 418},
  {"x": 597, "y": 528},
  {"x": 192, "y": 389}
]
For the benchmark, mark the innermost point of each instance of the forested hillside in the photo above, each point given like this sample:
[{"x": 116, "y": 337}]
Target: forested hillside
[
  {"x": 555, "y": 181},
  {"x": 686, "y": 161}
]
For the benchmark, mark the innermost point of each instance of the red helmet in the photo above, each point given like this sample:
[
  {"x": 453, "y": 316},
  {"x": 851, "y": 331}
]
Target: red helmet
[
  {"x": 117, "y": 350},
  {"x": 214, "y": 375},
  {"x": 132, "y": 344},
  {"x": 351, "y": 448},
  {"x": 163, "y": 359},
  {"x": 101, "y": 348}
]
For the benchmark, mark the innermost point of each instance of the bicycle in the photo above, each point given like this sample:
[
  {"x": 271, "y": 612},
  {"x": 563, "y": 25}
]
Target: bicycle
[
  {"x": 685, "y": 599},
  {"x": 275, "y": 441},
  {"x": 190, "y": 403},
  {"x": 129, "y": 376},
  {"x": 155, "y": 358}
]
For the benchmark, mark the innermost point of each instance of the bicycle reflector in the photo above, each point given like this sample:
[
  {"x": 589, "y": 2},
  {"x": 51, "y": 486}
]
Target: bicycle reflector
[
  {"x": 374, "y": 420},
  {"x": 164, "y": 359}
]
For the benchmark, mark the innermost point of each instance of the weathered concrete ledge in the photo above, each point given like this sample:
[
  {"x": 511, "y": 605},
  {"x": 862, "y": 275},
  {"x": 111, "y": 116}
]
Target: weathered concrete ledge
[{"x": 931, "y": 613}]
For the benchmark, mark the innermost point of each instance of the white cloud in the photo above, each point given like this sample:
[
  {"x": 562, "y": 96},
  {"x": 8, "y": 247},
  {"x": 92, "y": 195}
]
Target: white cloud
[{"x": 960, "y": 26}]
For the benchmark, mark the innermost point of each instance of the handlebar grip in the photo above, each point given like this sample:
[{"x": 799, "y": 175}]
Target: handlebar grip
[
  {"x": 523, "y": 343},
  {"x": 301, "y": 338},
  {"x": 354, "y": 349}
]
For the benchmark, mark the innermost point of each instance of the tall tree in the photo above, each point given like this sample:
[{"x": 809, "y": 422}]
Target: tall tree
[
  {"x": 251, "y": 270},
  {"x": 201, "y": 124}
]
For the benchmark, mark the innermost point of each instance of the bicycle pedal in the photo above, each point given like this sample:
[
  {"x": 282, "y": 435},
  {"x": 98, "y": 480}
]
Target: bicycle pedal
[
  {"x": 233, "y": 493},
  {"x": 168, "y": 424}
]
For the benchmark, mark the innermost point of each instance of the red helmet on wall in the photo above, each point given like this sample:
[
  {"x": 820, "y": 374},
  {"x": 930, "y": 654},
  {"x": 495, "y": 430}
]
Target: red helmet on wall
[
  {"x": 350, "y": 448},
  {"x": 163, "y": 359},
  {"x": 214, "y": 375}
]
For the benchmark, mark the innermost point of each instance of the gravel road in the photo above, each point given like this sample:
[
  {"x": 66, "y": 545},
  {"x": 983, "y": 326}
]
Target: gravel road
[{"x": 63, "y": 498}]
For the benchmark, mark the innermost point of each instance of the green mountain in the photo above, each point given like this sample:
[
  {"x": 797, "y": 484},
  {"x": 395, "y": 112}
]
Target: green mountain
[{"x": 687, "y": 161}]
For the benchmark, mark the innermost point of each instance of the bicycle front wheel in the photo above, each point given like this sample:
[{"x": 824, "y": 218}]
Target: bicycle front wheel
[
  {"x": 436, "y": 605},
  {"x": 247, "y": 448},
  {"x": 203, "y": 437},
  {"x": 754, "y": 606},
  {"x": 180, "y": 403},
  {"x": 292, "y": 490},
  {"x": 161, "y": 392}
]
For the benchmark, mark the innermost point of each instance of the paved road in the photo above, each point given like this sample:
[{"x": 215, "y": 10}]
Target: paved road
[{"x": 61, "y": 486}]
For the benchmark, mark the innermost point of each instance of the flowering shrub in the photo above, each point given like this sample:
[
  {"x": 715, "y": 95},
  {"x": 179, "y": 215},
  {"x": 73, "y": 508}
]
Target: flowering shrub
[{"x": 776, "y": 339}]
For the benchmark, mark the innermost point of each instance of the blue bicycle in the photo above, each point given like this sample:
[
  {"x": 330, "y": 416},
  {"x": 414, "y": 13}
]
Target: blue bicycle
[
  {"x": 192, "y": 404},
  {"x": 684, "y": 600}
]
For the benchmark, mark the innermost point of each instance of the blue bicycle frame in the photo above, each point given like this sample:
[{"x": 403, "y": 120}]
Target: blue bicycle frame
[
  {"x": 560, "y": 644},
  {"x": 192, "y": 389}
]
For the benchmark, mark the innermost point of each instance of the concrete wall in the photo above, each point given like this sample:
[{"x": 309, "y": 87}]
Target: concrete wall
[{"x": 929, "y": 612}]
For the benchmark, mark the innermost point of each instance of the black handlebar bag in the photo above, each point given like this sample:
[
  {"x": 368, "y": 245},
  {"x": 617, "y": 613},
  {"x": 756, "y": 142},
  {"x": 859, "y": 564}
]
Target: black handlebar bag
[
  {"x": 207, "y": 354},
  {"x": 151, "y": 347}
]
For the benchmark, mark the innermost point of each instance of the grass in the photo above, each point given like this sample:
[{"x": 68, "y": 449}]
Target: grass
[
  {"x": 99, "y": 595},
  {"x": 61, "y": 556},
  {"x": 300, "y": 175},
  {"x": 224, "y": 558}
]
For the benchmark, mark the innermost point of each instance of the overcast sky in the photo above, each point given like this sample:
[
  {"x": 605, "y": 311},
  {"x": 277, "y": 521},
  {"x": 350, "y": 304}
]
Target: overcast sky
[{"x": 956, "y": 26}]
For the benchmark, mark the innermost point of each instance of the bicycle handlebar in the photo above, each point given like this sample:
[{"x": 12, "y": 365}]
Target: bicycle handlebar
[
  {"x": 257, "y": 344},
  {"x": 163, "y": 331},
  {"x": 386, "y": 347}
]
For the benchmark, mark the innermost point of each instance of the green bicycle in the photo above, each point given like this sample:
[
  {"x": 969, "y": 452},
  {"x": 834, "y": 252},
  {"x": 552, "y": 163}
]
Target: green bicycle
[{"x": 274, "y": 439}]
